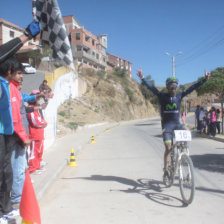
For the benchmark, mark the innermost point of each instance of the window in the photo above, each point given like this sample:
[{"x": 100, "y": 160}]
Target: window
[
  {"x": 93, "y": 53},
  {"x": 97, "y": 56},
  {"x": 93, "y": 42},
  {"x": 87, "y": 38},
  {"x": 77, "y": 36},
  {"x": 11, "y": 33},
  {"x": 79, "y": 48}
]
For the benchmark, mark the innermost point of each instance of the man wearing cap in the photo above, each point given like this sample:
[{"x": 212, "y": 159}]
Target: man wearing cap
[{"x": 170, "y": 110}]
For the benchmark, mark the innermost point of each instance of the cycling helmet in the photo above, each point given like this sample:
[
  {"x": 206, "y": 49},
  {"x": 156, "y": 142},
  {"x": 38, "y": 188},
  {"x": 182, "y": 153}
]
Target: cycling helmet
[{"x": 172, "y": 82}]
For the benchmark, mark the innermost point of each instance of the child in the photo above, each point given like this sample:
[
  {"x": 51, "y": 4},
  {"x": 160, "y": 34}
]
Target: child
[{"x": 37, "y": 124}]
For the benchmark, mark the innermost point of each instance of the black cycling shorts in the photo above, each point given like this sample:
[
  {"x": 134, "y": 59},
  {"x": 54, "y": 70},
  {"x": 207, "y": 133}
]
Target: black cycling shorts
[{"x": 168, "y": 129}]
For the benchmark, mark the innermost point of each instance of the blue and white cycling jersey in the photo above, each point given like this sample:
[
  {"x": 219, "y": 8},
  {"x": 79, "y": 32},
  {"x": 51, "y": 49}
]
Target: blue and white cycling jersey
[{"x": 170, "y": 106}]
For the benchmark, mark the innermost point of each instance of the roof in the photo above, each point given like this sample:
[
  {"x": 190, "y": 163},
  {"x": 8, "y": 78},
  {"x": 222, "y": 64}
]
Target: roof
[{"x": 7, "y": 23}]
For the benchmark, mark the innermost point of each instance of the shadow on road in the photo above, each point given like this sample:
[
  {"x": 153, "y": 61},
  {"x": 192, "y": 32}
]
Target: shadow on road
[
  {"x": 144, "y": 124},
  {"x": 158, "y": 136},
  {"x": 209, "y": 162},
  {"x": 142, "y": 187}
]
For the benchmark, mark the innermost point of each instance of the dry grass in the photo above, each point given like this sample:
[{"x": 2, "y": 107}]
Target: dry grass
[{"x": 105, "y": 100}]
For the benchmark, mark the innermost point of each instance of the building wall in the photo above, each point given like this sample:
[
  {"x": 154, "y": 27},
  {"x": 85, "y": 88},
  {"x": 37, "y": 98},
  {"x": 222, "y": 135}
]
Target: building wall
[
  {"x": 89, "y": 49},
  {"x": 115, "y": 61},
  {"x": 5, "y": 33},
  {"x": 6, "y": 27}
]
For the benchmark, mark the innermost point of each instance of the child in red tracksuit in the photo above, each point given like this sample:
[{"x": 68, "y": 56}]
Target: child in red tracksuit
[{"x": 37, "y": 124}]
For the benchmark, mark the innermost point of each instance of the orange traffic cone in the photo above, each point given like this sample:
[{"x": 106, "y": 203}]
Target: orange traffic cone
[{"x": 29, "y": 208}]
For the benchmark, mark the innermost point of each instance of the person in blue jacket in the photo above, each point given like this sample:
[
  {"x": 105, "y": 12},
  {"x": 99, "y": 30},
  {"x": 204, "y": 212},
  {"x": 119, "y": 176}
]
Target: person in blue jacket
[
  {"x": 170, "y": 110},
  {"x": 7, "y": 50}
]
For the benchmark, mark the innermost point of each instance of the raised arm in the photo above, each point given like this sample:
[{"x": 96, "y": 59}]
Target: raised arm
[
  {"x": 147, "y": 83},
  {"x": 11, "y": 47},
  {"x": 196, "y": 85}
]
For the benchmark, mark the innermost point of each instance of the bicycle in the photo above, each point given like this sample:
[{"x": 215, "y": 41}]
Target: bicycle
[{"x": 181, "y": 162}]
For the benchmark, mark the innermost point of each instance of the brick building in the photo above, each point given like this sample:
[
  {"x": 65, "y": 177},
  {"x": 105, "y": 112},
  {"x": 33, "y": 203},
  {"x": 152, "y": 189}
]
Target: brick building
[
  {"x": 87, "y": 48},
  {"x": 90, "y": 50},
  {"x": 115, "y": 61}
]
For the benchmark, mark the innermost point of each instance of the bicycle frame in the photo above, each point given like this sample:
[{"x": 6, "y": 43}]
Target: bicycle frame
[
  {"x": 181, "y": 148},
  {"x": 179, "y": 159}
]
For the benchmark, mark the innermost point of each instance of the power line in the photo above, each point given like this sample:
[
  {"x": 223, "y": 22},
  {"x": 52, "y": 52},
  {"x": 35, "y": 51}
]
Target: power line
[
  {"x": 202, "y": 52},
  {"x": 203, "y": 47}
]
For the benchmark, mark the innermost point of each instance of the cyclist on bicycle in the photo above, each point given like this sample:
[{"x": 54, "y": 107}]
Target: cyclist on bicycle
[{"x": 170, "y": 110}]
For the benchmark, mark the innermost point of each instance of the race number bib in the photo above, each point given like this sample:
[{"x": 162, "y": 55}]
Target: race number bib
[{"x": 182, "y": 135}]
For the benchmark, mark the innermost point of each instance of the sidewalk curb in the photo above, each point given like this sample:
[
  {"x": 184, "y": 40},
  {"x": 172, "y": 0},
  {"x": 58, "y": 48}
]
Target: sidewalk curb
[{"x": 207, "y": 136}]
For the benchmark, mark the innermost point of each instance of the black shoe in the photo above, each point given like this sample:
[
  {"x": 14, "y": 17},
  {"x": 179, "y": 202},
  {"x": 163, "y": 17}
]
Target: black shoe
[{"x": 166, "y": 179}]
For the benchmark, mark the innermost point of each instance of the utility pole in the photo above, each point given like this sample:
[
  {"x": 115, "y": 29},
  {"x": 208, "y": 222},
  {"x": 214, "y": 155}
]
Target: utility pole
[
  {"x": 173, "y": 62},
  {"x": 173, "y": 65}
]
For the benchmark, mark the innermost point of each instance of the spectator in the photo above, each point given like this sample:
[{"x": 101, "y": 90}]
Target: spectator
[
  {"x": 21, "y": 140},
  {"x": 207, "y": 122},
  {"x": 201, "y": 119},
  {"x": 6, "y": 131},
  {"x": 6, "y": 120},
  {"x": 184, "y": 117},
  {"x": 19, "y": 158},
  {"x": 197, "y": 112},
  {"x": 218, "y": 120},
  {"x": 46, "y": 89},
  {"x": 37, "y": 124},
  {"x": 213, "y": 121}
]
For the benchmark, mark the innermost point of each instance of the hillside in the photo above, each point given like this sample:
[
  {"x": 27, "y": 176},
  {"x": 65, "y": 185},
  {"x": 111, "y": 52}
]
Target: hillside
[
  {"x": 113, "y": 98},
  {"x": 109, "y": 98}
]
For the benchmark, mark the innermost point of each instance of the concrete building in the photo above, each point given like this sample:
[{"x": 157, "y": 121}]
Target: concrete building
[
  {"x": 88, "y": 49},
  {"x": 115, "y": 61}
]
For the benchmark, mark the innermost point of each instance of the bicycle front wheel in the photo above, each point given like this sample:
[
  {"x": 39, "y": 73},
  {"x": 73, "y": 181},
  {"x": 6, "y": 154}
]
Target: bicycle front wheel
[{"x": 186, "y": 179}]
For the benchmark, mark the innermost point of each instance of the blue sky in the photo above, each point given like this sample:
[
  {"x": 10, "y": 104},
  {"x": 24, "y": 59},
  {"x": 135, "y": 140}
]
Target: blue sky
[{"x": 141, "y": 31}]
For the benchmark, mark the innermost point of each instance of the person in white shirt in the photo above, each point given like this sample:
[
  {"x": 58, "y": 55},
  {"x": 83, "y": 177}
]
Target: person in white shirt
[{"x": 201, "y": 119}]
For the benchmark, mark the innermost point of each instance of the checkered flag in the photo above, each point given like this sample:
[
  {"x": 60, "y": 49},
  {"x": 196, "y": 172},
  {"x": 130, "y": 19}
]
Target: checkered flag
[{"x": 53, "y": 29}]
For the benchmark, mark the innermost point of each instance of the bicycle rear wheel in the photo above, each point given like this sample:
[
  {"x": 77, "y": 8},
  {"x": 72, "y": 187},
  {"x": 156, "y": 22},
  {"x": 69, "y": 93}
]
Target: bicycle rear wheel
[{"x": 186, "y": 179}]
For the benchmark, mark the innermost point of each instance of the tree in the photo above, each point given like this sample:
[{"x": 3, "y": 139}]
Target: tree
[
  {"x": 214, "y": 85},
  {"x": 120, "y": 72},
  {"x": 101, "y": 74},
  {"x": 35, "y": 55}
]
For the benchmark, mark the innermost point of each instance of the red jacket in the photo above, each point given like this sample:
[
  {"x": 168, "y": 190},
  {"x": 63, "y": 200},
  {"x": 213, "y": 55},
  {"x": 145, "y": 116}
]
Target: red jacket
[
  {"x": 15, "y": 98},
  {"x": 36, "y": 125}
]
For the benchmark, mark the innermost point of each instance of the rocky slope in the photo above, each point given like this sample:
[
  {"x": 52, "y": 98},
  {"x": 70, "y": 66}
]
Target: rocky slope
[{"x": 107, "y": 99}]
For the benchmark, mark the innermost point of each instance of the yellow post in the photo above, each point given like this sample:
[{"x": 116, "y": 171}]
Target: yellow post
[
  {"x": 92, "y": 139},
  {"x": 26, "y": 222},
  {"x": 72, "y": 158}
]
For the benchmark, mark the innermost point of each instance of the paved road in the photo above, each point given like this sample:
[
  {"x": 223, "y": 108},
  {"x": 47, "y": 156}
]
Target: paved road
[
  {"x": 118, "y": 180},
  {"x": 32, "y": 81}
]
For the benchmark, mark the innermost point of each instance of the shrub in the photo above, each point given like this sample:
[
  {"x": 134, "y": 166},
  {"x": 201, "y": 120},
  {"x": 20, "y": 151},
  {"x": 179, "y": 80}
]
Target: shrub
[
  {"x": 120, "y": 72},
  {"x": 62, "y": 113},
  {"x": 72, "y": 125},
  {"x": 96, "y": 110},
  {"x": 130, "y": 94},
  {"x": 111, "y": 103}
]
